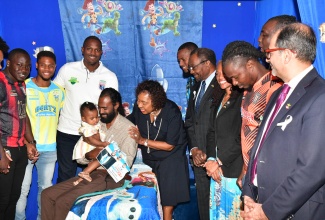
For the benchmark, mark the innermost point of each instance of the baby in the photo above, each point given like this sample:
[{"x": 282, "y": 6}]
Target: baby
[{"x": 89, "y": 127}]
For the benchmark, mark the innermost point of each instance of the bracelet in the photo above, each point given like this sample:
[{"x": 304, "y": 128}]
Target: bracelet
[
  {"x": 145, "y": 143},
  {"x": 220, "y": 164}
]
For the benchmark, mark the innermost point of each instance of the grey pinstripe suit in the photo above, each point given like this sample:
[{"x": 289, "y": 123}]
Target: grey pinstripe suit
[{"x": 196, "y": 125}]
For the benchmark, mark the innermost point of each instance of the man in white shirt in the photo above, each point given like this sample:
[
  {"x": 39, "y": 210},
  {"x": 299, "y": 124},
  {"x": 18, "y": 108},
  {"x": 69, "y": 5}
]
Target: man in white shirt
[{"x": 83, "y": 81}]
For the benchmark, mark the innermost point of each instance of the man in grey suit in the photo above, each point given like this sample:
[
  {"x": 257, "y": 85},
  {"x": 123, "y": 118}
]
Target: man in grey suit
[
  {"x": 286, "y": 174},
  {"x": 202, "y": 65}
]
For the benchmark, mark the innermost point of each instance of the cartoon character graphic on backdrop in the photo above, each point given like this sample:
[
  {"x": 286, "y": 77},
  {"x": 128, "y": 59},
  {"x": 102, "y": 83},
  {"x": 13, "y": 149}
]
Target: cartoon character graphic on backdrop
[
  {"x": 92, "y": 14},
  {"x": 126, "y": 107},
  {"x": 153, "y": 22},
  {"x": 112, "y": 23},
  {"x": 170, "y": 7},
  {"x": 158, "y": 74},
  {"x": 160, "y": 20},
  {"x": 172, "y": 24},
  {"x": 322, "y": 32},
  {"x": 110, "y": 7}
]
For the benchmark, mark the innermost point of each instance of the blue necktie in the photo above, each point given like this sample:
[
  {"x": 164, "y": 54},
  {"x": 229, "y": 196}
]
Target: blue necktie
[{"x": 199, "y": 98}]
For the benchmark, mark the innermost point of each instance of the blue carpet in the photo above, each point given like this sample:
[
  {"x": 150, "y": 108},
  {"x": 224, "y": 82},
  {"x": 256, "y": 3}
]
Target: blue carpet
[{"x": 188, "y": 210}]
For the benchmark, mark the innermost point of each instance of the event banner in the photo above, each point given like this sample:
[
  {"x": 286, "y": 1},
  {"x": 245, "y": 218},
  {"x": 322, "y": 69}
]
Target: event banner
[{"x": 140, "y": 39}]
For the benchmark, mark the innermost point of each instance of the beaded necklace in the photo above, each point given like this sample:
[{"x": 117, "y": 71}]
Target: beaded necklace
[{"x": 148, "y": 150}]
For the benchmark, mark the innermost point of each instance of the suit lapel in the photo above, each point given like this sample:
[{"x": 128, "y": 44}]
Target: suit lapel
[
  {"x": 194, "y": 93},
  {"x": 207, "y": 95},
  {"x": 229, "y": 104},
  {"x": 295, "y": 96}
]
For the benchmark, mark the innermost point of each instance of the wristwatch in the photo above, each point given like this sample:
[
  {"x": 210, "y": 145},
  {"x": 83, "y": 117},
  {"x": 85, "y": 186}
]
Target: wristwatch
[
  {"x": 32, "y": 142},
  {"x": 146, "y": 143}
]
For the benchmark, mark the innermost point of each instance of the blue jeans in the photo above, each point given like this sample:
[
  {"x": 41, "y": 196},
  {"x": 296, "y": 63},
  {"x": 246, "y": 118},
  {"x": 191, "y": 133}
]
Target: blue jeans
[{"x": 45, "y": 170}]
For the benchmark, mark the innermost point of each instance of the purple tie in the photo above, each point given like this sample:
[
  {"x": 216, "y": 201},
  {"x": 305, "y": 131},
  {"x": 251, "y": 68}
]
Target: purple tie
[{"x": 279, "y": 101}]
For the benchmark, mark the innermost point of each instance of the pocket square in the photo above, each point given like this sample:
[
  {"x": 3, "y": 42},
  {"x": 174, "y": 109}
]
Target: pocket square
[
  {"x": 284, "y": 124},
  {"x": 194, "y": 95}
]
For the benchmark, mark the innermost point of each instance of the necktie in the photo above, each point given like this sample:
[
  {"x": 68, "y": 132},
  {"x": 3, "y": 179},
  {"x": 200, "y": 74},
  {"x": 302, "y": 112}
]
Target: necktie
[
  {"x": 279, "y": 101},
  {"x": 199, "y": 98}
]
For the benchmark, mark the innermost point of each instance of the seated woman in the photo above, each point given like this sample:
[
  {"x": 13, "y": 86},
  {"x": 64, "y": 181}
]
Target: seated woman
[
  {"x": 224, "y": 152},
  {"x": 161, "y": 136}
]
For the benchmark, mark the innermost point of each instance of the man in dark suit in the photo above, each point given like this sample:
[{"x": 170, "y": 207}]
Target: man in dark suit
[
  {"x": 286, "y": 175},
  {"x": 202, "y": 65}
]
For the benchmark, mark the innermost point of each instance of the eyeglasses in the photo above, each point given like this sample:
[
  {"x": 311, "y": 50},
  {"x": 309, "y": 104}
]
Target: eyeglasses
[
  {"x": 190, "y": 68},
  {"x": 269, "y": 51}
]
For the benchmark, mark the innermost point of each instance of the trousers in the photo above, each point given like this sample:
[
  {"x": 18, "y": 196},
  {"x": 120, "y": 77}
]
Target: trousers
[
  {"x": 57, "y": 200},
  {"x": 11, "y": 182}
]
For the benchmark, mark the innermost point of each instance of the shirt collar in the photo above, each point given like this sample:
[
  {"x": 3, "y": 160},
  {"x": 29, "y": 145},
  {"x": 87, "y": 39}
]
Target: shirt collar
[
  {"x": 209, "y": 79},
  {"x": 84, "y": 67},
  {"x": 103, "y": 125},
  {"x": 295, "y": 80}
]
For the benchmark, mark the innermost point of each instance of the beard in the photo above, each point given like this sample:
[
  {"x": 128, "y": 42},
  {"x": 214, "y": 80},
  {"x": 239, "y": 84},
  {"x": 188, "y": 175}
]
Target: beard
[{"x": 108, "y": 118}]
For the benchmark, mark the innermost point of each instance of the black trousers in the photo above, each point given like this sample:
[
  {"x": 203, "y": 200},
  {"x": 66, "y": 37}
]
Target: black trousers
[
  {"x": 202, "y": 182},
  {"x": 11, "y": 182},
  {"x": 66, "y": 166}
]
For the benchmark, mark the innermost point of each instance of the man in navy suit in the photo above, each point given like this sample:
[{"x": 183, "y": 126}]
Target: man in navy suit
[
  {"x": 288, "y": 181},
  {"x": 202, "y": 65}
]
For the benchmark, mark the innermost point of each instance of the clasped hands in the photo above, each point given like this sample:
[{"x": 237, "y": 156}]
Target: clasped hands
[
  {"x": 32, "y": 152},
  {"x": 214, "y": 170},
  {"x": 199, "y": 157},
  {"x": 252, "y": 210},
  {"x": 212, "y": 167}
]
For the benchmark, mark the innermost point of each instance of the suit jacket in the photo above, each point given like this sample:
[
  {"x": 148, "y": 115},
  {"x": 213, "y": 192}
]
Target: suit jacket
[
  {"x": 291, "y": 163},
  {"x": 197, "y": 123},
  {"x": 224, "y": 133}
]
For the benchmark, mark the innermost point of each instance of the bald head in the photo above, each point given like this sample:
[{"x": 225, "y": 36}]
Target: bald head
[{"x": 300, "y": 38}]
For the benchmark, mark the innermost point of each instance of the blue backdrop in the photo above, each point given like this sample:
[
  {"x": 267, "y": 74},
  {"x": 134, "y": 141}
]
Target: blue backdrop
[
  {"x": 140, "y": 39},
  {"x": 31, "y": 24}
]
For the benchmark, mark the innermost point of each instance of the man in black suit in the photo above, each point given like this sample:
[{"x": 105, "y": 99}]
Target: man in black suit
[
  {"x": 202, "y": 65},
  {"x": 286, "y": 175}
]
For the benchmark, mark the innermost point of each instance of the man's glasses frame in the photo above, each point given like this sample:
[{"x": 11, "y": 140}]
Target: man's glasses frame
[
  {"x": 190, "y": 68},
  {"x": 269, "y": 51}
]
